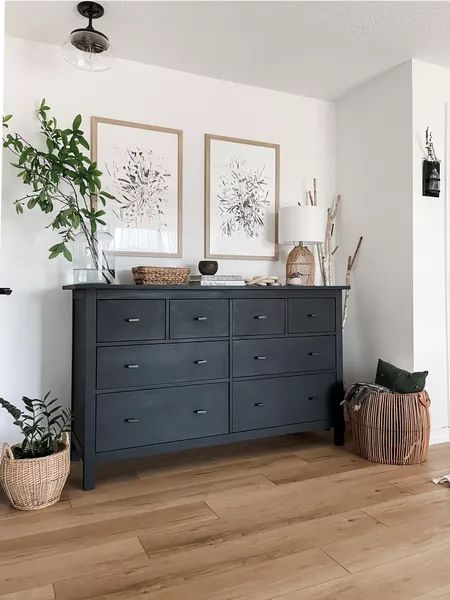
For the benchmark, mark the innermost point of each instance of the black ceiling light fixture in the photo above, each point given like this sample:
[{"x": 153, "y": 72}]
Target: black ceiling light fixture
[{"x": 87, "y": 48}]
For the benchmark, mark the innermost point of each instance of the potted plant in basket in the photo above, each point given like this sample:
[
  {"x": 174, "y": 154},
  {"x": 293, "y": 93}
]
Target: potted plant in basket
[{"x": 33, "y": 473}]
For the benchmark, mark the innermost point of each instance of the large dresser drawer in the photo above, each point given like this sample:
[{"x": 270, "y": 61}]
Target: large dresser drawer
[
  {"x": 198, "y": 318},
  {"x": 311, "y": 315},
  {"x": 258, "y": 316},
  {"x": 133, "y": 419},
  {"x": 130, "y": 320},
  {"x": 132, "y": 366},
  {"x": 282, "y": 401},
  {"x": 283, "y": 355}
]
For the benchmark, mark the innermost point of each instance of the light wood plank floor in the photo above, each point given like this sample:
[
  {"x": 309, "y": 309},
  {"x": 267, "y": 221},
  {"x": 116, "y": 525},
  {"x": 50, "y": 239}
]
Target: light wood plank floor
[{"x": 292, "y": 518}]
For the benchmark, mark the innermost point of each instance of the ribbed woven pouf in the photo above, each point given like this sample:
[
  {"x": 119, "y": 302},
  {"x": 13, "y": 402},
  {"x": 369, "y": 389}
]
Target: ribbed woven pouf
[{"x": 392, "y": 428}]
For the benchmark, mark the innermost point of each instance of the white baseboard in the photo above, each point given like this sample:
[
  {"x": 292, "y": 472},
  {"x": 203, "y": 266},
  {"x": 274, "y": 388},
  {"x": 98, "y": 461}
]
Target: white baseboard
[{"x": 439, "y": 436}]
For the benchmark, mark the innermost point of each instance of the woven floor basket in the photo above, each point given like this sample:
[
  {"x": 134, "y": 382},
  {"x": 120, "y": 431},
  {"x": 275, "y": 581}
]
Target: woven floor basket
[
  {"x": 161, "y": 275},
  {"x": 35, "y": 483},
  {"x": 392, "y": 428}
]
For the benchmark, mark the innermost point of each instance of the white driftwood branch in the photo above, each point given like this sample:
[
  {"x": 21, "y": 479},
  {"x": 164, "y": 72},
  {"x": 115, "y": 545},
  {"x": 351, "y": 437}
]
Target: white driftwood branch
[
  {"x": 350, "y": 265},
  {"x": 320, "y": 260},
  {"x": 328, "y": 251}
]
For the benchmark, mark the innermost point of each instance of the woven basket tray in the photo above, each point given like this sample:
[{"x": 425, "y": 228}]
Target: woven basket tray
[
  {"x": 392, "y": 428},
  {"x": 34, "y": 483},
  {"x": 161, "y": 275}
]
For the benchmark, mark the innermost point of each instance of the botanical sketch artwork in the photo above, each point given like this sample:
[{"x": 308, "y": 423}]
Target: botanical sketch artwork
[
  {"x": 241, "y": 199},
  {"x": 140, "y": 186},
  {"x": 142, "y": 169}
]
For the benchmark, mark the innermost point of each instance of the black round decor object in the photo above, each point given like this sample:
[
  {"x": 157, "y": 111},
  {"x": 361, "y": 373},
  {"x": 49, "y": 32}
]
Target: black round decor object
[{"x": 208, "y": 267}]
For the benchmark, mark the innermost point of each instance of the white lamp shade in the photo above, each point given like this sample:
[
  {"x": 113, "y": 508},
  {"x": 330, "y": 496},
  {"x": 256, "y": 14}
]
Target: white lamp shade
[{"x": 304, "y": 224}]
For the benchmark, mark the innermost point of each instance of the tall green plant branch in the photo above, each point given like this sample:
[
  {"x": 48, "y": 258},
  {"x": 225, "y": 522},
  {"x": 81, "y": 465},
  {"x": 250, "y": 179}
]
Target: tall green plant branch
[{"x": 60, "y": 174}]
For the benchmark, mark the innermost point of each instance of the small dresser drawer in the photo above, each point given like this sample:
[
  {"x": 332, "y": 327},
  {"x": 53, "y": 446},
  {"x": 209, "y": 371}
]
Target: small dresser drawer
[
  {"x": 315, "y": 315},
  {"x": 130, "y": 320},
  {"x": 287, "y": 355},
  {"x": 282, "y": 401},
  {"x": 198, "y": 318},
  {"x": 135, "y": 419},
  {"x": 133, "y": 366},
  {"x": 258, "y": 317}
]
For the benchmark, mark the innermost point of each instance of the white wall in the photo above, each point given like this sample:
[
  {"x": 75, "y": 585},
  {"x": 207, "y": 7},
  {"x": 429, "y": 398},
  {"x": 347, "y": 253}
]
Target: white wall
[
  {"x": 2, "y": 44},
  {"x": 431, "y": 94},
  {"x": 373, "y": 174},
  {"x": 400, "y": 289},
  {"x": 35, "y": 324}
]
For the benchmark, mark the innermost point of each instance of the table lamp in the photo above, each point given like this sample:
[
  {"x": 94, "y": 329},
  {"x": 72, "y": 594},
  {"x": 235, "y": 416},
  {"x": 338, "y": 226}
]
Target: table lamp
[{"x": 301, "y": 225}]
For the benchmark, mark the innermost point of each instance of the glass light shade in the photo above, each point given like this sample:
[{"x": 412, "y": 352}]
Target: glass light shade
[
  {"x": 304, "y": 224},
  {"x": 91, "y": 59}
]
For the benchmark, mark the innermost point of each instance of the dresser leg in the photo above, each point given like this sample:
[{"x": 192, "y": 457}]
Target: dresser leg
[{"x": 88, "y": 475}]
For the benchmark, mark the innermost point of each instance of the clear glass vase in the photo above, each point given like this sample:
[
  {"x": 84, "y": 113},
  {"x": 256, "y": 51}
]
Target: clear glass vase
[{"x": 94, "y": 258}]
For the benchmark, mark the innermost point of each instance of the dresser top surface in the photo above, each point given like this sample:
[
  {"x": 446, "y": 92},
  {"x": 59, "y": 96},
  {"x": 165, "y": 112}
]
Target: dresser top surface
[{"x": 197, "y": 288}]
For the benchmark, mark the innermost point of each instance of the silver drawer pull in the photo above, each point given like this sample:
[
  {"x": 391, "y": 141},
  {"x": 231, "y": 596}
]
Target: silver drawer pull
[
  {"x": 260, "y": 357},
  {"x": 201, "y": 318},
  {"x": 259, "y": 404},
  {"x": 312, "y": 397},
  {"x": 312, "y": 316},
  {"x": 313, "y": 353},
  {"x": 132, "y": 366},
  {"x": 133, "y": 320},
  {"x": 200, "y": 362},
  {"x": 200, "y": 411},
  {"x": 261, "y": 317},
  {"x": 131, "y": 420}
]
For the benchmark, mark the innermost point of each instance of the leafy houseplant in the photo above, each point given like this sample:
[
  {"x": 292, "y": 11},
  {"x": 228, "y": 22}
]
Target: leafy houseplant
[
  {"x": 33, "y": 473},
  {"x": 42, "y": 427},
  {"x": 63, "y": 179}
]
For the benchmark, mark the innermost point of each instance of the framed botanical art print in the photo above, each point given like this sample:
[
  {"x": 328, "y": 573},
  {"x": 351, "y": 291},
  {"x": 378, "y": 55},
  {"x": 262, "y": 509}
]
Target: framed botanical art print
[
  {"x": 241, "y": 198},
  {"x": 142, "y": 168}
]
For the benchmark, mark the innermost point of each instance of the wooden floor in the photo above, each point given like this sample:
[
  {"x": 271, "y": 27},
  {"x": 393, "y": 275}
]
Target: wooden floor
[{"x": 292, "y": 518}]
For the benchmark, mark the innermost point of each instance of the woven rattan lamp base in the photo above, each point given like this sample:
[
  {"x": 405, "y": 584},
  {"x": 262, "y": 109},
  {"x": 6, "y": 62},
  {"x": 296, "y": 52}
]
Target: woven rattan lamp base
[{"x": 300, "y": 267}]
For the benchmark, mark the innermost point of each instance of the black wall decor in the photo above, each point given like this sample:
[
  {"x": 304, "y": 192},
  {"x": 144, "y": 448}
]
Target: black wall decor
[
  {"x": 158, "y": 369},
  {"x": 431, "y": 178},
  {"x": 431, "y": 169}
]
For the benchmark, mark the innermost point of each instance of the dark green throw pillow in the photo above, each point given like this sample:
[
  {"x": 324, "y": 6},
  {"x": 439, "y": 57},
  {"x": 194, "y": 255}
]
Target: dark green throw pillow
[{"x": 399, "y": 380}]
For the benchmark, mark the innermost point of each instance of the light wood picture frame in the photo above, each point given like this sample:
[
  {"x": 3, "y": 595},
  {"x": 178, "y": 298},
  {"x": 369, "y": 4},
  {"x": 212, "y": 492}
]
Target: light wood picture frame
[
  {"x": 242, "y": 197},
  {"x": 142, "y": 167}
]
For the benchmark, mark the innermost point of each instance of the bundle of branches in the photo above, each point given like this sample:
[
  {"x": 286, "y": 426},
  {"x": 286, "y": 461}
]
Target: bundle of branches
[{"x": 327, "y": 249}]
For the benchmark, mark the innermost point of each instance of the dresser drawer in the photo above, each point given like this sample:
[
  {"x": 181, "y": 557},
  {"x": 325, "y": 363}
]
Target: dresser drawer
[
  {"x": 132, "y": 366},
  {"x": 282, "y": 401},
  {"x": 198, "y": 318},
  {"x": 266, "y": 356},
  {"x": 163, "y": 415},
  {"x": 313, "y": 315},
  {"x": 130, "y": 320},
  {"x": 253, "y": 317}
]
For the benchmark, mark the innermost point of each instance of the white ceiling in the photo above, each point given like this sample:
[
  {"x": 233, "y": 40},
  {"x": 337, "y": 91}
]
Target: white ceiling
[{"x": 319, "y": 49}]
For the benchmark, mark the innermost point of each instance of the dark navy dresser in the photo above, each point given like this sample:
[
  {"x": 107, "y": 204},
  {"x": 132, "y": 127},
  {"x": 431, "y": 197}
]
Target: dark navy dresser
[{"x": 160, "y": 369}]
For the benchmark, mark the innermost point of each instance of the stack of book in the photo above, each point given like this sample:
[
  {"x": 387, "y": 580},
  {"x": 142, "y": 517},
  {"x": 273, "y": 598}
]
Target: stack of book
[{"x": 216, "y": 280}]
